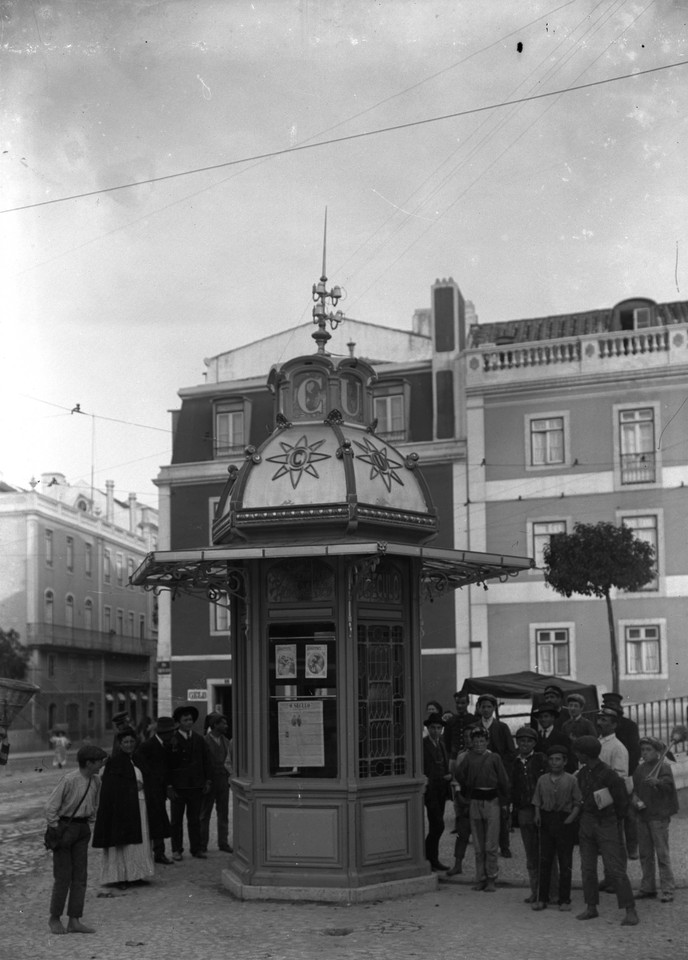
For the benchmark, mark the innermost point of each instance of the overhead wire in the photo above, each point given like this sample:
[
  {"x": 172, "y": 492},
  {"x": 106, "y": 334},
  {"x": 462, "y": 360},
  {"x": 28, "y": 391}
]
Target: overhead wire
[
  {"x": 350, "y": 137},
  {"x": 495, "y": 160}
]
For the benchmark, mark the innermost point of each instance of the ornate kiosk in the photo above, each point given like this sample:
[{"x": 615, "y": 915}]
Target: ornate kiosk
[{"x": 319, "y": 547}]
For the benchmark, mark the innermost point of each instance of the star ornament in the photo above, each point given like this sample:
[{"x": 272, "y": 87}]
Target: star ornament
[
  {"x": 380, "y": 464},
  {"x": 298, "y": 458}
]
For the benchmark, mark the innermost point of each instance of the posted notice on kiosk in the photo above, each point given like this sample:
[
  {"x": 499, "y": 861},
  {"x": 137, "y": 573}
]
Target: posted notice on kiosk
[{"x": 301, "y": 733}]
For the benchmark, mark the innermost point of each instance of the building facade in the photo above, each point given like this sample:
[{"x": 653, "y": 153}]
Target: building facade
[
  {"x": 521, "y": 429},
  {"x": 69, "y": 553}
]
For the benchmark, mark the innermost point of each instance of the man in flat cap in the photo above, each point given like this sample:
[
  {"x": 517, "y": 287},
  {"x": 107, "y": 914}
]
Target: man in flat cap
[
  {"x": 655, "y": 801},
  {"x": 555, "y": 695},
  {"x": 605, "y": 801},
  {"x": 191, "y": 779},
  {"x": 499, "y": 741}
]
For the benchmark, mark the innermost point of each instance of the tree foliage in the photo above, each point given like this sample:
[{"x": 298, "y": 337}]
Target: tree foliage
[
  {"x": 14, "y": 658},
  {"x": 595, "y": 559}
]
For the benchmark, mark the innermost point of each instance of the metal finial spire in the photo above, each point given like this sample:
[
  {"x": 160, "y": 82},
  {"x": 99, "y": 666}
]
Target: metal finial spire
[{"x": 321, "y": 295}]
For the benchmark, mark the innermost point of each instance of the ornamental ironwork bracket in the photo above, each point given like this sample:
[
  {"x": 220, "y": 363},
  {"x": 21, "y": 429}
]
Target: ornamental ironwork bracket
[{"x": 213, "y": 579}]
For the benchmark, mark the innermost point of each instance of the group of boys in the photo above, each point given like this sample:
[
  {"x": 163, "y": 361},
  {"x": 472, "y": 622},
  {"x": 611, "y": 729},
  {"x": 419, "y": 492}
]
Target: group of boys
[
  {"x": 183, "y": 767},
  {"x": 553, "y": 808}
]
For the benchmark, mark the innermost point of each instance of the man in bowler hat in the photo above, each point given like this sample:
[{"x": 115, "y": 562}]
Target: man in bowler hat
[
  {"x": 191, "y": 778},
  {"x": 156, "y": 756}
]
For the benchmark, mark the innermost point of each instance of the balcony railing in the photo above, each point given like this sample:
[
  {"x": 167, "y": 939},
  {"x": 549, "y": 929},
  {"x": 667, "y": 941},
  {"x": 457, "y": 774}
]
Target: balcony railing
[
  {"x": 659, "y": 718},
  {"x": 74, "y": 638},
  {"x": 638, "y": 467},
  {"x": 588, "y": 354}
]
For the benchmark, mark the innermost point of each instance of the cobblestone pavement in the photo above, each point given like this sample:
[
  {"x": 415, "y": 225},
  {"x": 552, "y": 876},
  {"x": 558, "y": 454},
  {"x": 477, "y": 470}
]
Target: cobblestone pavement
[{"x": 186, "y": 914}]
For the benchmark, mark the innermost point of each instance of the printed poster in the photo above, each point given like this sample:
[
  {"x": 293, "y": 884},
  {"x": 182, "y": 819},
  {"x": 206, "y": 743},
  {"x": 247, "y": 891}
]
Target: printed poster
[
  {"x": 316, "y": 661},
  {"x": 301, "y": 733},
  {"x": 285, "y": 661}
]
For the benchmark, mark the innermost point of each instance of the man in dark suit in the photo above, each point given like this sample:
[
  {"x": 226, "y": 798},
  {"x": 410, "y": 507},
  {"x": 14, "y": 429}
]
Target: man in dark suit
[
  {"x": 156, "y": 755},
  {"x": 499, "y": 741},
  {"x": 437, "y": 777},
  {"x": 191, "y": 779},
  {"x": 549, "y": 734}
]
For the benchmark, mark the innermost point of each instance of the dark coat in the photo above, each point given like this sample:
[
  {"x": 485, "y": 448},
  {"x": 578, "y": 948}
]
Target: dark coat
[
  {"x": 436, "y": 769},
  {"x": 155, "y": 761},
  {"x": 627, "y": 732},
  {"x": 524, "y": 776},
  {"x": 118, "y": 821},
  {"x": 500, "y": 741},
  {"x": 191, "y": 764},
  {"x": 454, "y": 736}
]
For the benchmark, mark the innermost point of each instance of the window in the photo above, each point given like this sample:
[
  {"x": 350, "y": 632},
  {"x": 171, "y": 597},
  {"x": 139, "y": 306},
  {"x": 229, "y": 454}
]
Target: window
[
  {"x": 52, "y": 707},
  {"x": 542, "y": 531},
  {"x": 120, "y": 622},
  {"x": 119, "y": 568},
  {"x": 70, "y": 554},
  {"x": 49, "y": 607},
  {"x": 546, "y": 441},
  {"x": 643, "y": 650},
  {"x": 637, "y": 445},
  {"x": 552, "y": 651},
  {"x": 51, "y": 666},
  {"x": 219, "y": 615},
  {"x": 49, "y": 547},
  {"x": 107, "y": 620},
  {"x": 130, "y": 570},
  {"x": 69, "y": 611},
  {"x": 645, "y": 528},
  {"x": 107, "y": 565},
  {"x": 130, "y": 624},
  {"x": 230, "y": 432},
  {"x": 642, "y": 317},
  {"x": 389, "y": 413},
  {"x": 142, "y": 626},
  {"x": 91, "y": 668},
  {"x": 88, "y": 559},
  {"x": 88, "y": 614}
]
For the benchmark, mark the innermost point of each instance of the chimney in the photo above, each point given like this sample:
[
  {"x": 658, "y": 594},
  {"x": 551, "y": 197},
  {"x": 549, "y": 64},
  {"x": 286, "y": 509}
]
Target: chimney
[
  {"x": 110, "y": 501},
  {"x": 133, "y": 512}
]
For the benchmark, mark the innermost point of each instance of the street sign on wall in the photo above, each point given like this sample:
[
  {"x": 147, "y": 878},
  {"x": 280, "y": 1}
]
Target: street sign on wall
[{"x": 196, "y": 694}]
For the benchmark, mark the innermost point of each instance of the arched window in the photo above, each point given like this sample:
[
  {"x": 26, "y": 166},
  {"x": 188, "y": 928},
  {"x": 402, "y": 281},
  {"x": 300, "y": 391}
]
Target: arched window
[
  {"x": 69, "y": 611},
  {"x": 49, "y": 607},
  {"x": 88, "y": 614}
]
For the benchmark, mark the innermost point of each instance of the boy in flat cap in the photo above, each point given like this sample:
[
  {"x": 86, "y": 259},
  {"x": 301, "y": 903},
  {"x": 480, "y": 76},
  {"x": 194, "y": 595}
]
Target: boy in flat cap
[
  {"x": 557, "y": 800},
  {"x": 604, "y": 805},
  {"x": 577, "y": 725},
  {"x": 72, "y": 808},
  {"x": 655, "y": 801},
  {"x": 483, "y": 781},
  {"x": 528, "y": 767}
]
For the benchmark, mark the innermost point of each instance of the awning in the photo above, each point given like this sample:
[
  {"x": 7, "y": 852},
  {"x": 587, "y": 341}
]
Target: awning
[{"x": 208, "y": 570}]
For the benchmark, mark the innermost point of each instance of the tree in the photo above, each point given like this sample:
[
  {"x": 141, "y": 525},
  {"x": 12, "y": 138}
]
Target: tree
[
  {"x": 14, "y": 658},
  {"x": 593, "y": 560}
]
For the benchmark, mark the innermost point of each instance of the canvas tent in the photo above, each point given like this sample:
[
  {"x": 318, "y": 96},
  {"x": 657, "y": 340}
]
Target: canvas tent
[{"x": 528, "y": 685}]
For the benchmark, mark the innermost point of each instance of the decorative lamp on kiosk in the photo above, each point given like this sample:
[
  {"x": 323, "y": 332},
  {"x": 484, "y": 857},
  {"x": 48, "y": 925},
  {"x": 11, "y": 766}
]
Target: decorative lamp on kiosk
[{"x": 320, "y": 544}]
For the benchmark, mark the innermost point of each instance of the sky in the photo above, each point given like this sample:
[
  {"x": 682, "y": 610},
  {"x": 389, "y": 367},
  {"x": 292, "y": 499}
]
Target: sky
[{"x": 114, "y": 297}]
